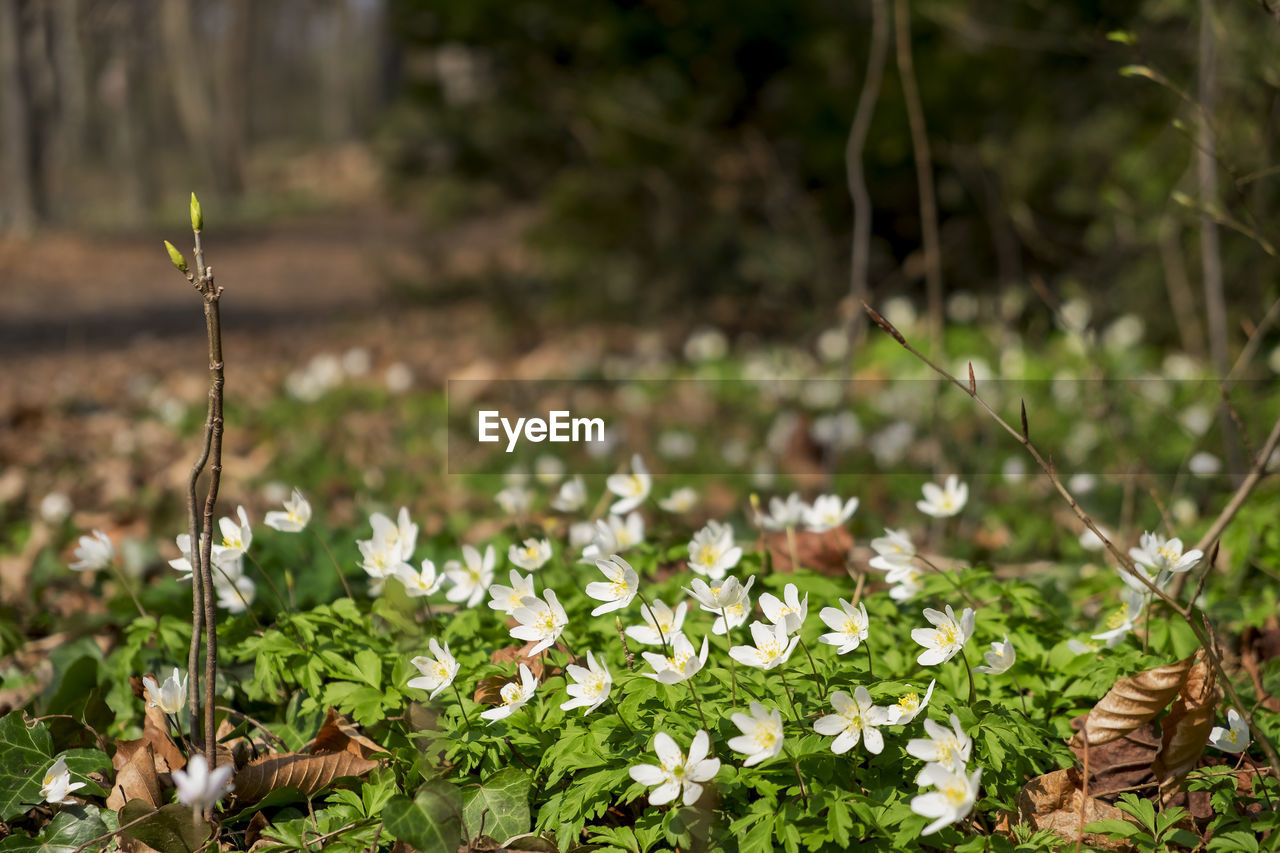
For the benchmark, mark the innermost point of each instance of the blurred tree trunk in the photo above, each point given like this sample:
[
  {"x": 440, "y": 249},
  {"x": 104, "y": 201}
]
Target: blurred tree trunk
[
  {"x": 20, "y": 202},
  {"x": 69, "y": 68},
  {"x": 231, "y": 96},
  {"x": 337, "y": 77}
]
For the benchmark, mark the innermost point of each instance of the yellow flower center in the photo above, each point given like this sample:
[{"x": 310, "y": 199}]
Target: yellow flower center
[
  {"x": 947, "y": 750},
  {"x": 707, "y": 555},
  {"x": 510, "y": 692},
  {"x": 851, "y": 626},
  {"x": 956, "y": 793},
  {"x": 946, "y": 635},
  {"x": 909, "y": 703},
  {"x": 1169, "y": 554},
  {"x": 765, "y": 737},
  {"x": 1118, "y": 618}
]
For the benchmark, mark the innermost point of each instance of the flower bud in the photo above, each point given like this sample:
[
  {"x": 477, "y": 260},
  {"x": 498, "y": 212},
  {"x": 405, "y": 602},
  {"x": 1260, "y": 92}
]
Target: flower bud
[{"x": 176, "y": 257}]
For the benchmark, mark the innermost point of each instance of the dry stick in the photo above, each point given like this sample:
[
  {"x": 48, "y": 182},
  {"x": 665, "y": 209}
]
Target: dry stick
[
  {"x": 924, "y": 172},
  {"x": 1188, "y": 612},
  {"x": 859, "y": 288}
]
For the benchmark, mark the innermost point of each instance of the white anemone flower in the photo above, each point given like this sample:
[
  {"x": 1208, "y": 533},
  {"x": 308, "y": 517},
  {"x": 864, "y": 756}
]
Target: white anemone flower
[
  {"x": 508, "y": 599},
  {"x": 470, "y": 579},
  {"x": 57, "y": 784},
  {"x": 1001, "y": 657},
  {"x": 660, "y": 622},
  {"x": 200, "y": 787},
  {"x": 419, "y": 583},
  {"x": 772, "y": 646},
  {"x": 675, "y": 774},
  {"x": 893, "y": 550},
  {"x": 784, "y": 513},
  {"x": 948, "y": 747},
  {"x": 1164, "y": 556},
  {"x": 542, "y": 621},
  {"x": 168, "y": 697},
  {"x": 828, "y": 513},
  {"x": 438, "y": 671},
  {"x": 948, "y": 636},
  {"x": 712, "y": 552},
  {"x": 590, "y": 687},
  {"x": 514, "y": 696},
  {"x": 571, "y": 497},
  {"x": 946, "y": 500},
  {"x": 680, "y": 501},
  {"x": 1235, "y": 738},
  {"x": 905, "y": 583},
  {"x": 761, "y": 737},
  {"x": 632, "y": 488},
  {"x": 614, "y": 535},
  {"x": 953, "y": 799},
  {"x": 514, "y": 500},
  {"x": 531, "y": 555},
  {"x": 909, "y": 706},
  {"x": 93, "y": 553},
  {"x": 728, "y": 592},
  {"x": 237, "y": 534},
  {"x": 683, "y": 663},
  {"x": 1123, "y": 619},
  {"x": 856, "y": 719},
  {"x": 620, "y": 589},
  {"x": 790, "y": 611},
  {"x": 295, "y": 517},
  {"x": 849, "y": 626}
]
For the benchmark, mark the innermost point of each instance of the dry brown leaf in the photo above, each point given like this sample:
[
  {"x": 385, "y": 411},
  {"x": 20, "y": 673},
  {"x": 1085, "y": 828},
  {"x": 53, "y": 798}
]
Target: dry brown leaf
[
  {"x": 823, "y": 552},
  {"x": 136, "y": 778},
  {"x": 1132, "y": 701},
  {"x": 487, "y": 691},
  {"x": 337, "y": 734},
  {"x": 1054, "y": 802},
  {"x": 307, "y": 773},
  {"x": 1123, "y": 764},
  {"x": 1185, "y": 731},
  {"x": 253, "y": 831}
]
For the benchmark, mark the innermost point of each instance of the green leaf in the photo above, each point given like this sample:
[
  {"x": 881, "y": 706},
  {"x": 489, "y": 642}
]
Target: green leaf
[
  {"x": 71, "y": 827},
  {"x": 174, "y": 828},
  {"x": 25, "y": 752},
  {"x": 431, "y": 821},
  {"x": 370, "y": 667},
  {"x": 1113, "y": 826},
  {"x": 499, "y": 808}
]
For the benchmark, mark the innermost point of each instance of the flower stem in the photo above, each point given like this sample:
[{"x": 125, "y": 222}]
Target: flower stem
[
  {"x": 332, "y": 559},
  {"x": 791, "y": 547},
  {"x": 804, "y": 792},
  {"x": 617, "y": 710},
  {"x": 129, "y": 589},
  {"x": 870, "y": 663},
  {"x": 461, "y": 707},
  {"x": 698, "y": 703},
  {"x": 275, "y": 590},
  {"x": 733, "y": 670},
  {"x": 1021, "y": 698},
  {"x": 666, "y": 648},
  {"x": 813, "y": 666},
  {"x": 795, "y": 712},
  {"x": 969, "y": 671}
]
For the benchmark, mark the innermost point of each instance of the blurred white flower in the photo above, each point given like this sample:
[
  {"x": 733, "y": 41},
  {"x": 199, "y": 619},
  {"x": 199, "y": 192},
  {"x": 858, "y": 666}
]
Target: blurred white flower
[
  {"x": 614, "y": 535},
  {"x": 531, "y": 555},
  {"x": 438, "y": 671},
  {"x": 712, "y": 551},
  {"x": 784, "y": 513},
  {"x": 946, "y": 500},
  {"x": 237, "y": 536},
  {"x": 947, "y": 747},
  {"x": 55, "y": 507},
  {"x": 680, "y": 501},
  {"x": 1082, "y": 484},
  {"x": 761, "y": 737},
  {"x": 514, "y": 696},
  {"x": 296, "y": 515},
  {"x": 201, "y": 788},
  {"x": 571, "y": 497},
  {"x": 470, "y": 579},
  {"x": 1001, "y": 657},
  {"x": 893, "y": 550},
  {"x": 1235, "y": 738},
  {"x": 57, "y": 782},
  {"x": 1164, "y": 556},
  {"x": 632, "y": 488},
  {"x": 948, "y": 636},
  {"x": 398, "y": 378},
  {"x": 828, "y": 513},
  {"x": 706, "y": 343},
  {"x": 93, "y": 553},
  {"x": 419, "y": 583},
  {"x": 849, "y": 626},
  {"x": 1123, "y": 620},
  {"x": 514, "y": 500},
  {"x": 548, "y": 470},
  {"x": 675, "y": 774},
  {"x": 856, "y": 719},
  {"x": 591, "y": 685},
  {"x": 1204, "y": 464}
]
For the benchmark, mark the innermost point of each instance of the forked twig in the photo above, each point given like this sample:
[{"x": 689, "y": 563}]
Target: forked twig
[{"x": 1188, "y": 612}]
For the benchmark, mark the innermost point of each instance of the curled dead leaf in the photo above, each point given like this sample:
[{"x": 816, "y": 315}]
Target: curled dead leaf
[
  {"x": 307, "y": 773},
  {"x": 136, "y": 776},
  {"x": 338, "y": 734},
  {"x": 827, "y": 552},
  {"x": 1132, "y": 701},
  {"x": 488, "y": 690},
  {"x": 1185, "y": 731},
  {"x": 1054, "y": 802}
]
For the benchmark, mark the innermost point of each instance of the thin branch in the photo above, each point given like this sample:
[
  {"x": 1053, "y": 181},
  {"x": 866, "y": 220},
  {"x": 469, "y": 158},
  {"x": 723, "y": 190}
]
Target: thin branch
[{"x": 859, "y": 288}]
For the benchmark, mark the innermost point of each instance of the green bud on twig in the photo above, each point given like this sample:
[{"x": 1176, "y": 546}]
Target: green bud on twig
[
  {"x": 197, "y": 218},
  {"x": 176, "y": 257}
]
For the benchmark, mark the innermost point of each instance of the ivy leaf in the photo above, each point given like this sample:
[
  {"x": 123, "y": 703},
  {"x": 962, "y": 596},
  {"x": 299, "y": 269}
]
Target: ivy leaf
[
  {"x": 430, "y": 822},
  {"x": 24, "y": 752},
  {"x": 71, "y": 828},
  {"x": 499, "y": 808}
]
